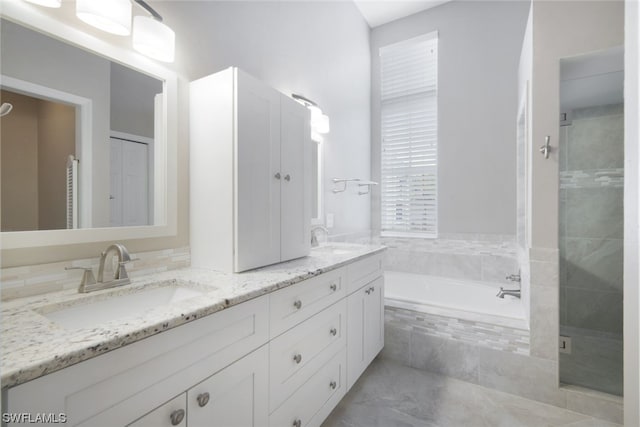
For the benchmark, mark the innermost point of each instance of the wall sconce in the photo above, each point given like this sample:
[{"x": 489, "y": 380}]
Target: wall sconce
[
  {"x": 151, "y": 36},
  {"x": 319, "y": 122}
]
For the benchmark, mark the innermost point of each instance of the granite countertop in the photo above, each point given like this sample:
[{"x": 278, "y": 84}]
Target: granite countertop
[{"x": 33, "y": 346}]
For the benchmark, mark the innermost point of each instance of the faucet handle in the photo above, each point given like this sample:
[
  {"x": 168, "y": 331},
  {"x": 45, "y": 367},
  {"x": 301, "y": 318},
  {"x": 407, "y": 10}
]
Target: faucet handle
[{"x": 87, "y": 277}]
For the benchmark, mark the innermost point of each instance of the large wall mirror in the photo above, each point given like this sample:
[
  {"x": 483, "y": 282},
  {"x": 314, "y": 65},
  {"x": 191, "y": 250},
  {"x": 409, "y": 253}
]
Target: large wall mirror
[{"x": 88, "y": 148}]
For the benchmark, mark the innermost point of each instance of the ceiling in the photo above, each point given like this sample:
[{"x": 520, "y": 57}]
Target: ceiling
[{"x": 378, "y": 12}]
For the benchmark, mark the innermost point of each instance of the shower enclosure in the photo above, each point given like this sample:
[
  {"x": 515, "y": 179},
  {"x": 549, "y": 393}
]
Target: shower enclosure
[{"x": 591, "y": 159}]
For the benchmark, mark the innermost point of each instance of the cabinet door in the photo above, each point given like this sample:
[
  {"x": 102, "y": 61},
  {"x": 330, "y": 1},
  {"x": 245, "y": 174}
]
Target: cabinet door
[
  {"x": 365, "y": 328},
  {"x": 374, "y": 319},
  {"x": 258, "y": 174},
  {"x": 172, "y": 413},
  {"x": 356, "y": 347},
  {"x": 235, "y": 396},
  {"x": 295, "y": 134}
]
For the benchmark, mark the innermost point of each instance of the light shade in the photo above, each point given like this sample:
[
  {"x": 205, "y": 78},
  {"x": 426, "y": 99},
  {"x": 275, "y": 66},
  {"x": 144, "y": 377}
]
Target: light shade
[
  {"x": 112, "y": 16},
  {"x": 46, "y": 3},
  {"x": 153, "y": 39},
  {"x": 322, "y": 126}
]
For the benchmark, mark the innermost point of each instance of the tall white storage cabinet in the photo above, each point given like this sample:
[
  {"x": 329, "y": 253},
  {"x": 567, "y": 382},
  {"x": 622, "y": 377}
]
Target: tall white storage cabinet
[{"x": 250, "y": 168}]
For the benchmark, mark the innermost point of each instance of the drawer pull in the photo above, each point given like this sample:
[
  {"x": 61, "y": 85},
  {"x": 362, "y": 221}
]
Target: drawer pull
[
  {"x": 177, "y": 417},
  {"x": 333, "y": 385},
  {"x": 297, "y": 423},
  {"x": 297, "y": 304},
  {"x": 333, "y": 331},
  {"x": 297, "y": 358},
  {"x": 203, "y": 399},
  {"x": 333, "y": 287}
]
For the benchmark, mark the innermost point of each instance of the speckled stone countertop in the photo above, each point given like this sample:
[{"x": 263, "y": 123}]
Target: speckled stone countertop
[{"x": 33, "y": 346}]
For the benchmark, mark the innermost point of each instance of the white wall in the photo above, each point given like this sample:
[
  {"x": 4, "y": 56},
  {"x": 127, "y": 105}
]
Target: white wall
[
  {"x": 318, "y": 49},
  {"x": 479, "y": 52}
]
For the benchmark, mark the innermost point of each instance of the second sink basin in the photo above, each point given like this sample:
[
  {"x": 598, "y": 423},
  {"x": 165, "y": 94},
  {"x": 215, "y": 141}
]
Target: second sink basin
[{"x": 94, "y": 312}]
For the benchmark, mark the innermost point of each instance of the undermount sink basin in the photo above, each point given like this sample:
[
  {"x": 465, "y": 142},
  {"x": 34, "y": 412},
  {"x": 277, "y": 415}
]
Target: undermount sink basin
[{"x": 93, "y": 312}]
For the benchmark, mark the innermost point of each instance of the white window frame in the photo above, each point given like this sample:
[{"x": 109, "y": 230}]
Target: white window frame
[{"x": 431, "y": 215}]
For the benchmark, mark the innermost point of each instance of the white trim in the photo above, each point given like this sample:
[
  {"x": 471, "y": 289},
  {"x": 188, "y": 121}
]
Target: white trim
[{"x": 33, "y": 17}]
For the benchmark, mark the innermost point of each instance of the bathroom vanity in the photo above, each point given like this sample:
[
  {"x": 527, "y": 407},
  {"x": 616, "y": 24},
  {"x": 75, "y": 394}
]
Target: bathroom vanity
[{"x": 277, "y": 346}]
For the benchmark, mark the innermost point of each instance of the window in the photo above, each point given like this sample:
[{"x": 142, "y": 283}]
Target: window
[{"x": 409, "y": 101}]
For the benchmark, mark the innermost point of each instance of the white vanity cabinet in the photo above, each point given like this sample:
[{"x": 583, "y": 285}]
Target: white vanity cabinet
[
  {"x": 283, "y": 359},
  {"x": 365, "y": 307},
  {"x": 250, "y": 174}
]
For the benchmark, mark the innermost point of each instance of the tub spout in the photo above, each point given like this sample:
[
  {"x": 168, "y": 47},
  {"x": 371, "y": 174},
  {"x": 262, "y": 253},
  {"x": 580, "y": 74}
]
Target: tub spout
[{"x": 513, "y": 292}]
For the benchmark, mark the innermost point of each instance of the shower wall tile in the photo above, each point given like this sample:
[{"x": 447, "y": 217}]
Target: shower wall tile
[
  {"x": 600, "y": 311},
  {"x": 595, "y": 142},
  {"x": 598, "y": 111},
  {"x": 594, "y": 213},
  {"x": 594, "y": 264},
  {"x": 595, "y": 360}
]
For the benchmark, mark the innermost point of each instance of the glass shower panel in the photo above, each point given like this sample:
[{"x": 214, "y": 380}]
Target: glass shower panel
[{"x": 591, "y": 220}]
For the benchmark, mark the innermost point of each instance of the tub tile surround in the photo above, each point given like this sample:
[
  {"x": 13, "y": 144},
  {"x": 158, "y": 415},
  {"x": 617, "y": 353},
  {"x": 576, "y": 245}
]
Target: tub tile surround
[
  {"x": 19, "y": 282},
  {"x": 34, "y": 346},
  {"x": 485, "y": 258}
]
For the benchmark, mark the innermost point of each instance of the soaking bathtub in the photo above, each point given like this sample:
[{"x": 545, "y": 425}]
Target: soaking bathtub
[{"x": 462, "y": 299}]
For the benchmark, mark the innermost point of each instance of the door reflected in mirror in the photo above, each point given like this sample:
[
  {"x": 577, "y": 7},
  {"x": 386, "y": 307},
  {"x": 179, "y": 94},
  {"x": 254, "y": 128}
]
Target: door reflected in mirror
[{"x": 77, "y": 148}]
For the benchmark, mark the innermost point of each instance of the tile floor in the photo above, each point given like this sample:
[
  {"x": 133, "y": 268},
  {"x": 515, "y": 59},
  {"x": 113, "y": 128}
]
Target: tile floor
[{"x": 392, "y": 395}]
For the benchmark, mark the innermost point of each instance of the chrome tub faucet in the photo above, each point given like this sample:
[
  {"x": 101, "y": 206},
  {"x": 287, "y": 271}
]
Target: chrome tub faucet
[{"x": 513, "y": 292}]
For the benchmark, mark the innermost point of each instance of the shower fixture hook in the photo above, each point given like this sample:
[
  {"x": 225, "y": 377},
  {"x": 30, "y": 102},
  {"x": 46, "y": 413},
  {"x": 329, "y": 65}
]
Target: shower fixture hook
[{"x": 546, "y": 148}]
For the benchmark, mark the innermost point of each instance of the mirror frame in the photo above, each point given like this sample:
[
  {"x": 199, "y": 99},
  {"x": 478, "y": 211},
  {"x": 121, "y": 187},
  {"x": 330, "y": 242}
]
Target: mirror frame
[
  {"x": 166, "y": 150},
  {"x": 319, "y": 219}
]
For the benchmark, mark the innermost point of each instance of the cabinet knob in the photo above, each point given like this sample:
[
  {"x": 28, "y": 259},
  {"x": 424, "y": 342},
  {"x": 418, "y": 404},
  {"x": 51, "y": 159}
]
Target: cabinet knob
[
  {"x": 333, "y": 385},
  {"x": 287, "y": 177},
  {"x": 372, "y": 289},
  {"x": 333, "y": 287},
  {"x": 297, "y": 423},
  {"x": 176, "y": 417},
  {"x": 203, "y": 399},
  {"x": 297, "y": 304},
  {"x": 297, "y": 358},
  {"x": 333, "y": 331},
  {"x": 368, "y": 291},
  {"x": 277, "y": 175}
]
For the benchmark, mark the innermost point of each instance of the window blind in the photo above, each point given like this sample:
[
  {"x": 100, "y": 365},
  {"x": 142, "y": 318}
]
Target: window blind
[{"x": 409, "y": 119}]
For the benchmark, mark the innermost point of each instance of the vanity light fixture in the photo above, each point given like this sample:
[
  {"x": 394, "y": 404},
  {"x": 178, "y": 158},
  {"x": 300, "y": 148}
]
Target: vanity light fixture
[
  {"x": 113, "y": 16},
  {"x": 151, "y": 36},
  {"x": 46, "y": 3},
  {"x": 319, "y": 121}
]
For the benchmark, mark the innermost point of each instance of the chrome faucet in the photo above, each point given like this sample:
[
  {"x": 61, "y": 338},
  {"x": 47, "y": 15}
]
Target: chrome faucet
[
  {"x": 514, "y": 277},
  {"x": 314, "y": 237},
  {"x": 513, "y": 292},
  {"x": 120, "y": 276}
]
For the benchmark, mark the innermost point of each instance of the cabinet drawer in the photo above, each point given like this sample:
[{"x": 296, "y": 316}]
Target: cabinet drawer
[
  {"x": 172, "y": 413},
  {"x": 311, "y": 403},
  {"x": 364, "y": 271},
  {"x": 296, "y": 303},
  {"x": 117, "y": 387},
  {"x": 295, "y": 355}
]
